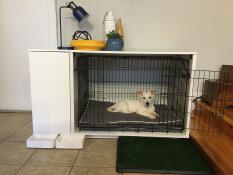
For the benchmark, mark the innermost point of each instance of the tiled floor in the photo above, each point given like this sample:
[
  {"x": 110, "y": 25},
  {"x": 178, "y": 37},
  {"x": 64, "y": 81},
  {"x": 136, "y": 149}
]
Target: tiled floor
[{"x": 97, "y": 158}]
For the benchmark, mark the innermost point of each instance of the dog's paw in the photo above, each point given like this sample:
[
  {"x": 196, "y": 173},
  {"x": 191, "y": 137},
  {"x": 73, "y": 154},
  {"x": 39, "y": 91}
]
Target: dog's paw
[
  {"x": 152, "y": 116},
  {"x": 155, "y": 114}
]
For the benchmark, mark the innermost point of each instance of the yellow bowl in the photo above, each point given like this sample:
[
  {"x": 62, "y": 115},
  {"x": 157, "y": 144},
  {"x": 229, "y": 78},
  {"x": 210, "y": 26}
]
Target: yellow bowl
[{"x": 88, "y": 44}]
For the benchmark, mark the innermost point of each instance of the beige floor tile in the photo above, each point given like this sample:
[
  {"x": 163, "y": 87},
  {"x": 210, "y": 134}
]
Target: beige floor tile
[
  {"x": 22, "y": 115},
  {"x": 8, "y": 169},
  {"x": 11, "y": 122},
  {"x": 93, "y": 171},
  {"x": 14, "y": 153},
  {"x": 3, "y": 136},
  {"x": 44, "y": 170},
  {"x": 22, "y": 134},
  {"x": 98, "y": 153},
  {"x": 58, "y": 157}
]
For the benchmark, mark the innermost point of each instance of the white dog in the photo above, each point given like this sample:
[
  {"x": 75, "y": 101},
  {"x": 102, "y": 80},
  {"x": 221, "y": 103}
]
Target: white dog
[{"x": 144, "y": 106}]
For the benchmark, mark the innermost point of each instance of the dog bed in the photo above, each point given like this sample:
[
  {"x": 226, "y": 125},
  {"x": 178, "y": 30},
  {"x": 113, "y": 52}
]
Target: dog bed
[{"x": 96, "y": 113}]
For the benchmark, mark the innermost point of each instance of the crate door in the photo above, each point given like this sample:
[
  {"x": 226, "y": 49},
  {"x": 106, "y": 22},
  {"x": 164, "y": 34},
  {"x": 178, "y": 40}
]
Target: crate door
[{"x": 208, "y": 99}]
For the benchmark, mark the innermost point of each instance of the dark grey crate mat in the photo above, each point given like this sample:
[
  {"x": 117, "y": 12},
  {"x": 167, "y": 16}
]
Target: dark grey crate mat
[{"x": 96, "y": 112}]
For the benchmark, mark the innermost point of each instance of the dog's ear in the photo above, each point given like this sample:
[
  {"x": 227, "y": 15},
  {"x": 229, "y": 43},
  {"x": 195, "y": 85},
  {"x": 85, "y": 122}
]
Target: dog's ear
[
  {"x": 153, "y": 92},
  {"x": 139, "y": 93}
]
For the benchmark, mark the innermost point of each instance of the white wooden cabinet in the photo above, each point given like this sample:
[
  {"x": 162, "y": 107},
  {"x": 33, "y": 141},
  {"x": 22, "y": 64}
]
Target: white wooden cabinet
[
  {"x": 50, "y": 92},
  {"x": 51, "y": 74},
  {"x": 53, "y": 85}
]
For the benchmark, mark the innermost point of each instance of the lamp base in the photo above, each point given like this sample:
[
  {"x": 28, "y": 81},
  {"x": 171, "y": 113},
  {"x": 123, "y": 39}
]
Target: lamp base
[{"x": 65, "y": 48}]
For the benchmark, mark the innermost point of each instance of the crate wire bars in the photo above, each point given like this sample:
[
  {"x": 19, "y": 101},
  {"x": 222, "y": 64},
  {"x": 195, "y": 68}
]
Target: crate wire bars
[
  {"x": 206, "y": 116},
  {"x": 105, "y": 79}
]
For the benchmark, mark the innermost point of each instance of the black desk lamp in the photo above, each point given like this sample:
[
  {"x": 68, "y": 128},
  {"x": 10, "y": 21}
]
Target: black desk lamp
[{"x": 78, "y": 12}]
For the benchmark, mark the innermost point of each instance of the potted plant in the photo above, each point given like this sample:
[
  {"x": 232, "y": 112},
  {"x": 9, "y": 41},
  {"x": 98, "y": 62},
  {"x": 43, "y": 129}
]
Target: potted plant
[{"x": 114, "y": 42}]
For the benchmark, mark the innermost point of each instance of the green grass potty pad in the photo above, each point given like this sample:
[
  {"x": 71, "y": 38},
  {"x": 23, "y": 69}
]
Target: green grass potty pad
[{"x": 159, "y": 155}]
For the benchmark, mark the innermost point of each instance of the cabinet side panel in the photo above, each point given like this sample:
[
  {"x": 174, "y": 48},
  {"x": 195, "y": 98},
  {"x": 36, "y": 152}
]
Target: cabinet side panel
[
  {"x": 192, "y": 67},
  {"x": 50, "y": 92}
]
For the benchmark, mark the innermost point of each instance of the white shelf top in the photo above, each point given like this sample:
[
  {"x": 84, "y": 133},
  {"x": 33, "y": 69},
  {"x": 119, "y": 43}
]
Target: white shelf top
[{"x": 118, "y": 52}]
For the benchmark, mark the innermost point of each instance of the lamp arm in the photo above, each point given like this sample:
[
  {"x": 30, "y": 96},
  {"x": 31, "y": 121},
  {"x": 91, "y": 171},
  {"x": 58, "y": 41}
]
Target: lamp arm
[
  {"x": 60, "y": 23},
  {"x": 71, "y": 5}
]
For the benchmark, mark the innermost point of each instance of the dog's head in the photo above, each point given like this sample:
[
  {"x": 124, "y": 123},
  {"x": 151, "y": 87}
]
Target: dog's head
[{"x": 146, "y": 97}]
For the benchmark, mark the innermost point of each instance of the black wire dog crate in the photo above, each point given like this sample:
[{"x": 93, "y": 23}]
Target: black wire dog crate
[{"x": 106, "y": 78}]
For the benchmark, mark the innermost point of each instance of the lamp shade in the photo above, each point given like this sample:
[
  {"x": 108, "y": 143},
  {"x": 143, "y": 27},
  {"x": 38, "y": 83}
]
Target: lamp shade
[{"x": 80, "y": 14}]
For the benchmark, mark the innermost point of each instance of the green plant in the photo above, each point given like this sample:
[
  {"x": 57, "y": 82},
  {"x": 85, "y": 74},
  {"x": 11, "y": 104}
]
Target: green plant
[{"x": 113, "y": 34}]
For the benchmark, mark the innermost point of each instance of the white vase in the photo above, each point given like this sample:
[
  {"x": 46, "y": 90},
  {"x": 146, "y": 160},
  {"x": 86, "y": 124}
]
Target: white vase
[{"x": 109, "y": 23}]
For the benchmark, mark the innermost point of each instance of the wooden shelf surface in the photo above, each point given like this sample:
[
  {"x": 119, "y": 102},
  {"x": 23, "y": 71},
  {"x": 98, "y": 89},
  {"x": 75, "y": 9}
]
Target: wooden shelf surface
[{"x": 216, "y": 146}]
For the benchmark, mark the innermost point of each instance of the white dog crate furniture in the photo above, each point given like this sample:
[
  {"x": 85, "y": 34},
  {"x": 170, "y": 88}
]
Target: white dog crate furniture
[{"x": 71, "y": 90}]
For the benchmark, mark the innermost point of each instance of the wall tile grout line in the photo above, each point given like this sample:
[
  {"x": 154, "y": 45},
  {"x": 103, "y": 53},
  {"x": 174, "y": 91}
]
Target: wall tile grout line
[
  {"x": 74, "y": 162},
  {"x": 25, "y": 161}
]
